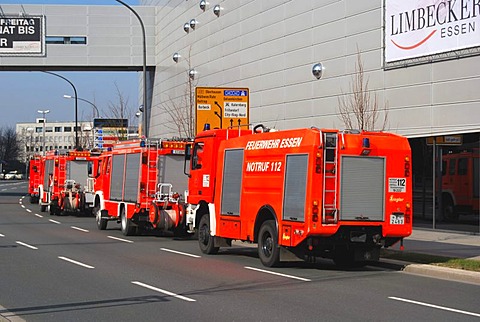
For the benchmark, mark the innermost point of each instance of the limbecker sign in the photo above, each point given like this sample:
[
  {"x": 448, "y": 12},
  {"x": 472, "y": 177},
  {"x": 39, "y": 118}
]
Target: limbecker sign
[
  {"x": 221, "y": 108},
  {"x": 22, "y": 36},
  {"x": 415, "y": 28}
]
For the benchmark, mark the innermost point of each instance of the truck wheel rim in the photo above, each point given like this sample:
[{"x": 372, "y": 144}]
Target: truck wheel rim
[{"x": 267, "y": 246}]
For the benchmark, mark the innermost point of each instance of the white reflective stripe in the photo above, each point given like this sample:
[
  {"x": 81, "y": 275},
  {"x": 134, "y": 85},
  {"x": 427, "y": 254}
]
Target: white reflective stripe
[
  {"x": 181, "y": 297},
  {"x": 79, "y": 229},
  {"x": 434, "y": 306},
  {"x": 120, "y": 239},
  {"x": 75, "y": 262},
  {"x": 278, "y": 274},
  {"x": 26, "y": 245},
  {"x": 180, "y": 253}
]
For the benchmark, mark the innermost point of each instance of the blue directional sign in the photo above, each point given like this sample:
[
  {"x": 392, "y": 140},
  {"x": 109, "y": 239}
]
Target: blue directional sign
[{"x": 235, "y": 93}]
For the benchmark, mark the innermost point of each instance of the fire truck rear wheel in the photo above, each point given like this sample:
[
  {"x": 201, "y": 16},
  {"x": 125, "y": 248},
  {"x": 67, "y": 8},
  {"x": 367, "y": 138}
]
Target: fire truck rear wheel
[
  {"x": 126, "y": 224},
  {"x": 205, "y": 239},
  {"x": 449, "y": 213},
  {"x": 43, "y": 208},
  {"x": 268, "y": 249},
  {"x": 101, "y": 223}
]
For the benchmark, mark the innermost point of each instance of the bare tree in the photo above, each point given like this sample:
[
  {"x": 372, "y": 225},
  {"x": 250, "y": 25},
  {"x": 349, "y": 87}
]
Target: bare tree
[
  {"x": 120, "y": 110},
  {"x": 9, "y": 145},
  {"x": 181, "y": 110},
  {"x": 360, "y": 109}
]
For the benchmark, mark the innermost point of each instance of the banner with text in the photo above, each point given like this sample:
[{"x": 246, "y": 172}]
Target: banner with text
[
  {"x": 22, "y": 36},
  {"x": 416, "y": 28}
]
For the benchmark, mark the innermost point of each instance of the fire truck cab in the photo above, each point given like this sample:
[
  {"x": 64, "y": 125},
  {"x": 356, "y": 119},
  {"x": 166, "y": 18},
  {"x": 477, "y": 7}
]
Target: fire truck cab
[
  {"x": 140, "y": 184},
  {"x": 311, "y": 192},
  {"x": 460, "y": 184}
]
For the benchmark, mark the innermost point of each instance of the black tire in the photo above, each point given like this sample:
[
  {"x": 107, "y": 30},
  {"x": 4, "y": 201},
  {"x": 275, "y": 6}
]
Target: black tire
[
  {"x": 43, "y": 208},
  {"x": 205, "y": 239},
  {"x": 126, "y": 224},
  {"x": 101, "y": 223},
  {"x": 448, "y": 210},
  {"x": 268, "y": 249}
]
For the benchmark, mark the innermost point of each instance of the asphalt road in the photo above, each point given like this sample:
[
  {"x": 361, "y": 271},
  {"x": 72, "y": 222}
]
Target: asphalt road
[{"x": 64, "y": 269}]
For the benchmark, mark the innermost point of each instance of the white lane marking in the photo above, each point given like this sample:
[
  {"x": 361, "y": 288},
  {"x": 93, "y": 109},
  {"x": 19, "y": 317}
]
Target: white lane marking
[
  {"x": 434, "y": 306},
  {"x": 26, "y": 245},
  {"x": 39, "y": 216},
  {"x": 80, "y": 229},
  {"x": 180, "y": 253},
  {"x": 54, "y": 221},
  {"x": 23, "y": 206},
  {"x": 164, "y": 291},
  {"x": 278, "y": 274},
  {"x": 1, "y": 235},
  {"x": 75, "y": 262},
  {"x": 28, "y": 210},
  {"x": 120, "y": 239}
]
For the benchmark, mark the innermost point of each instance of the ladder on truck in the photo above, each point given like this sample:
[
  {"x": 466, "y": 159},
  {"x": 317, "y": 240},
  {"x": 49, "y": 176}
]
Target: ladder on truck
[
  {"x": 152, "y": 148},
  {"x": 330, "y": 175}
]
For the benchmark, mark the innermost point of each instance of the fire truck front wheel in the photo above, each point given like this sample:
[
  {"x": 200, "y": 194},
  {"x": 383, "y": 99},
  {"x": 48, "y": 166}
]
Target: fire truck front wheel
[
  {"x": 126, "y": 224},
  {"x": 101, "y": 223},
  {"x": 268, "y": 249},
  {"x": 205, "y": 239}
]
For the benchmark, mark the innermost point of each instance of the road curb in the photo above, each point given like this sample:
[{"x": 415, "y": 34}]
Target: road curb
[{"x": 443, "y": 273}]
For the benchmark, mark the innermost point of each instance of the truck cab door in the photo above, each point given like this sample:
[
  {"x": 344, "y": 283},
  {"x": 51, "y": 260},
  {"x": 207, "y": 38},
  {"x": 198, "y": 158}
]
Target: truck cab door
[{"x": 202, "y": 163}]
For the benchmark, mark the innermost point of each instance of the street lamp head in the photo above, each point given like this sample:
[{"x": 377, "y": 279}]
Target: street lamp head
[
  {"x": 43, "y": 112},
  {"x": 67, "y": 96}
]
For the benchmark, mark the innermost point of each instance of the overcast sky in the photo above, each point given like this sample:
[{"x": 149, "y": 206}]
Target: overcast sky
[{"x": 22, "y": 94}]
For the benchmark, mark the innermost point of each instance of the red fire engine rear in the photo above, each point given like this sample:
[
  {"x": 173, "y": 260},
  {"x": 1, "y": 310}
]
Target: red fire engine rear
[
  {"x": 35, "y": 177},
  {"x": 141, "y": 185},
  {"x": 67, "y": 185},
  {"x": 327, "y": 193}
]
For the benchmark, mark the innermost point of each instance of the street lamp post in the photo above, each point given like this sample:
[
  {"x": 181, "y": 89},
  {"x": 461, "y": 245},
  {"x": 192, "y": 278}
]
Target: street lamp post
[
  {"x": 44, "y": 112},
  {"x": 76, "y": 104},
  {"x": 95, "y": 109},
  {"x": 144, "y": 118}
]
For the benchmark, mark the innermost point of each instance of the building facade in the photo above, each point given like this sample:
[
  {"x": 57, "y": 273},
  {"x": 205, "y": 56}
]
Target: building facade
[
  {"x": 270, "y": 47},
  {"x": 57, "y": 136}
]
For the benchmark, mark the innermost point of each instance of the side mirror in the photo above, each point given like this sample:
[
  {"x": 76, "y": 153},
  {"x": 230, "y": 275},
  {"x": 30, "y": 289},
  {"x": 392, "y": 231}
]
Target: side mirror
[{"x": 188, "y": 157}]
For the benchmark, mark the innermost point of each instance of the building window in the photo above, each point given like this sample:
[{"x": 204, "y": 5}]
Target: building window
[
  {"x": 49, "y": 129},
  {"x": 39, "y": 129},
  {"x": 59, "y": 40},
  {"x": 58, "y": 129},
  {"x": 67, "y": 129}
]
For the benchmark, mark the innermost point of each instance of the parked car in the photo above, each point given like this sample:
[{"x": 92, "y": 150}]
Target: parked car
[{"x": 13, "y": 175}]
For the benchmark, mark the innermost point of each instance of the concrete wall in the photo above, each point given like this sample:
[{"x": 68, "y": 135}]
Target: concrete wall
[
  {"x": 114, "y": 38},
  {"x": 271, "y": 46}
]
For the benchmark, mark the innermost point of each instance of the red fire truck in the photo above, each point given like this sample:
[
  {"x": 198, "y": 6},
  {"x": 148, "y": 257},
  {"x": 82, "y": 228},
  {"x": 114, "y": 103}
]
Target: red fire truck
[
  {"x": 460, "y": 183},
  {"x": 35, "y": 177},
  {"x": 310, "y": 192},
  {"x": 68, "y": 184},
  {"x": 140, "y": 184}
]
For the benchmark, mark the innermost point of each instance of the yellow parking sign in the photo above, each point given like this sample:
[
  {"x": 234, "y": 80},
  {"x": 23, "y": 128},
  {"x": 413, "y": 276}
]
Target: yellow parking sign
[{"x": 221, "y": 108}]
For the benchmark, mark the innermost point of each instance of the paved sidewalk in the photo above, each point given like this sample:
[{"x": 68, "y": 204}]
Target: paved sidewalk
[{"x": 442, "y": 243}]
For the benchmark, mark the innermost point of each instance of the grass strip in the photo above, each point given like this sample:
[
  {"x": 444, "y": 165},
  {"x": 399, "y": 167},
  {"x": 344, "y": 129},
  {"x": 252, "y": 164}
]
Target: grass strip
[{"x": 458, "y": 263}]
